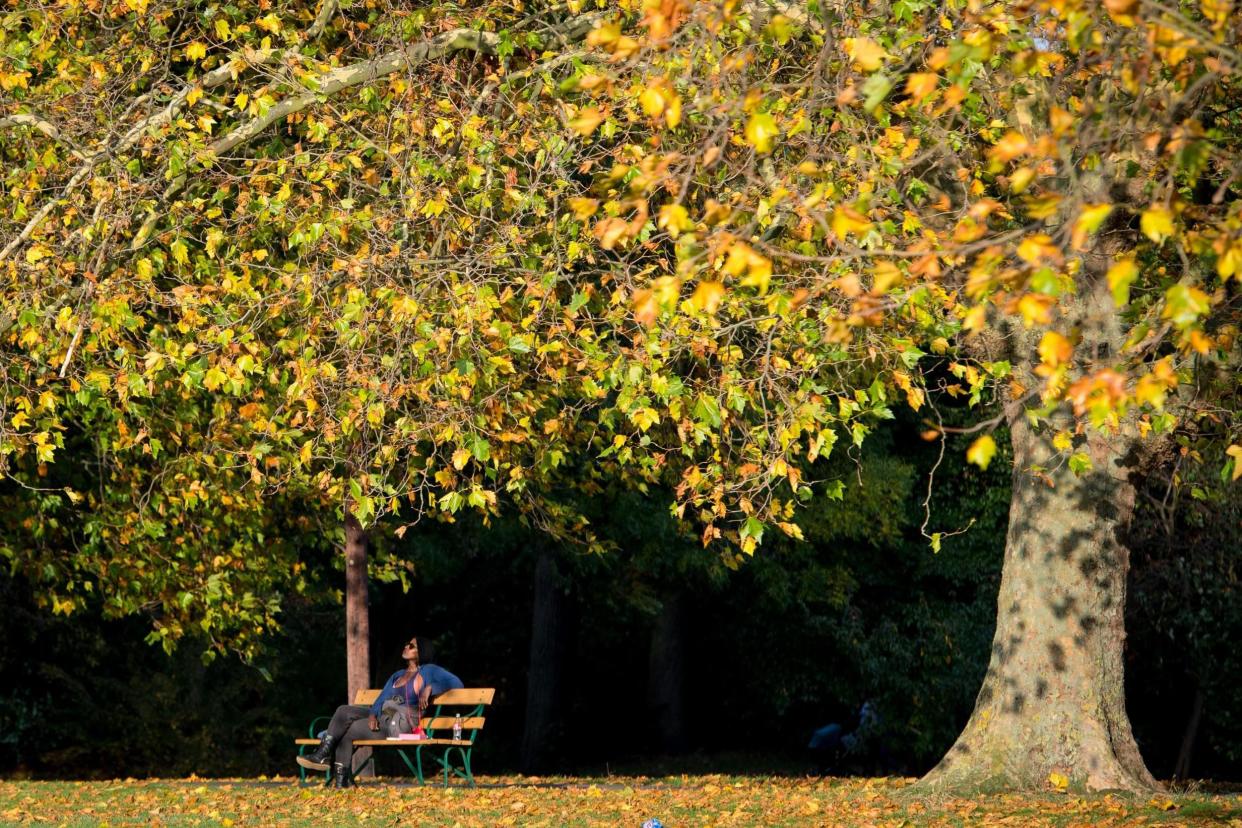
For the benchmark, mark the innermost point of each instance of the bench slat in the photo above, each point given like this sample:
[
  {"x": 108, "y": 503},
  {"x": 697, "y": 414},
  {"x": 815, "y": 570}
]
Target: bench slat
[
  {"x": 441, "y": 723},
  {"x": 446, "y": 723},
  {"x": 466, "y": 695},
  {"x": 367, "y": 697},
  {"x": 409, "y": 743}
]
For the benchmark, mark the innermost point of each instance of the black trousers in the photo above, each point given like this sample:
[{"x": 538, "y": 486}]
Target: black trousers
[{"x": 349, "y": 722}]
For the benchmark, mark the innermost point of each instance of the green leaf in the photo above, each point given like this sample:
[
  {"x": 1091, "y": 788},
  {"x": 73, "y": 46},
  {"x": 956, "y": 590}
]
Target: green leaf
[
  {"x": 707, "y": 410},
  {"x": 1079, "y": 463}
]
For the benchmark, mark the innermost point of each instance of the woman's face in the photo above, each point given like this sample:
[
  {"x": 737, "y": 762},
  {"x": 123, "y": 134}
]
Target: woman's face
[{"x": 410, "y": 651}]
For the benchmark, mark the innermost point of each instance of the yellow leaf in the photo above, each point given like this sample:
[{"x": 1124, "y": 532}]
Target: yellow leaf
[
  {"x": 1062, "y": 440},
  {"x": 1120, "y": 276},
  {"x": 1157, "y": 223},
  {"x": 1089, "y": 221},
  {"x": 222, "y": 28},
  {"x": 707, "y": 296},
  {"x": 1230, "y": 262},
  {"x": 583, "y": 208},
  {"x": 1021, "y": 179},
  {"x": 1235, "y": 451},
  {"x": 652, "y": 101},
  {"x": 270, "y": 22},
  {"x": 864, "y": 51},
  {"x": 460, "y": 458},
  {"x": 586, "y": 122},
  {"x": 196, "y": 51},
  {"x": 645, "y": 418},
  {"x": 1035, "y": 308},
  {"x": 646, "y": 307},
  {"x": 921, "y": 84},
  {"x": 847, "y": 220},
  {"x": 981, "y": 451},
  {"x": 1055, "y": 349},
  {"x": 675, "y": 219},
  {"x": 1058, "y": 780},
  {"x": 672, "y": 110},
  {"x": 760, "y": 132}
]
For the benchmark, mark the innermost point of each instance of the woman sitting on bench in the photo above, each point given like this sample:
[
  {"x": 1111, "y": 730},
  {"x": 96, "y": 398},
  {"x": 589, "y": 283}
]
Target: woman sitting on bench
[{"x": 417, "y": 684}]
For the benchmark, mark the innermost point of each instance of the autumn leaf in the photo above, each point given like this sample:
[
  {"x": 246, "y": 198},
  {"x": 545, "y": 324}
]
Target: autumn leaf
[
  {"x": 587, "y": 120},
  {"x": 1088, "y": 222},
  {"x": 707, "y": 296},
  {"x": 865, "y": 52},
  {"x": 981, "y": 451},
  {"x": 761, "y": 131},
  {"x": 1235, "y": 451},
  {"x": 1157, "y": 223},
  {"x": 848, "y": 221},
  {"x": 1120, "y": 276},
  {"x": 919, "y": 85},
  {"x": 1055, "y": 349}
]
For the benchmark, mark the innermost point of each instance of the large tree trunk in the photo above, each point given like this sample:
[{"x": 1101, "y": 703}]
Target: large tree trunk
[
  {"x": 1053, "y": 700},
  {"x": 544, "y": 678},
  {"x": 357, "y": 616},
  {"x": 666, "y": 674}
]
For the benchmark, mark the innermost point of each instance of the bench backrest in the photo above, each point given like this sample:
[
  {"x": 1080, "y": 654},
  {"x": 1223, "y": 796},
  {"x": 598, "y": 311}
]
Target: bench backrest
[
  {"x": 367, "y": 697},
  {"x": 469, "y": 702}
]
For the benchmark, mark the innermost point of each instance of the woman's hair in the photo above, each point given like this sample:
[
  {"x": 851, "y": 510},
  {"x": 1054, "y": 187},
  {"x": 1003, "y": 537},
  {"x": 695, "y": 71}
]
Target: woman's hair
[{"x": 426, "y": 650}]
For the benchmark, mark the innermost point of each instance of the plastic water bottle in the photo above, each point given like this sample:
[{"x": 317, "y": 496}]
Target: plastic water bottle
[
  {"x": 457, "y": 728},
  {"x": 394, "y": 729},
  {"x": 653, "y": 823}
]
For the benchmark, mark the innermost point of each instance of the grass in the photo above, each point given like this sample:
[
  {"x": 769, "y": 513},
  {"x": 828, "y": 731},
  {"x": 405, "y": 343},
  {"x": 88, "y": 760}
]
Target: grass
[{"x": 615, "y": 802}]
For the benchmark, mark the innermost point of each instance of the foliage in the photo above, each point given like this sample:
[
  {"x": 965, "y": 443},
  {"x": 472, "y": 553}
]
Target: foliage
[
  {"x": 399, "y": 261},
  {"x": 278, "y": 262},
  {"x": 579, "y": 801},
  {"x": 825, "y": 213}
]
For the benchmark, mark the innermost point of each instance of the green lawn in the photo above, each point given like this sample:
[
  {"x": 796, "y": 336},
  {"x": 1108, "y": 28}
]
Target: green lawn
[{"x": 616, "y": 802}]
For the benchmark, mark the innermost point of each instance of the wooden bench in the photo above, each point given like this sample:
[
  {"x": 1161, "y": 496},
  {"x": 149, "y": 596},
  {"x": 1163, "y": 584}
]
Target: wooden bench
[{"x": 469, "y": 703}]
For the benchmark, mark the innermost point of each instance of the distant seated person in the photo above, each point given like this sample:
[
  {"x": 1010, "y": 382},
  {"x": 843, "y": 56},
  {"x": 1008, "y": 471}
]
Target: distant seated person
[
  {"x": 398, "y": 709},
  {"x": 831, "y": 744}
]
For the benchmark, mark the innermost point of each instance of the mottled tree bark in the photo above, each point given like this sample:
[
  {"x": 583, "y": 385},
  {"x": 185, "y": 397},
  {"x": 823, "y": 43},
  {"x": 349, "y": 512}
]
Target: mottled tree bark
[
  {"x": 666, "y": 674},
  {"x": 544, "y": 679},
  {"x": 1053, "y": 699}
]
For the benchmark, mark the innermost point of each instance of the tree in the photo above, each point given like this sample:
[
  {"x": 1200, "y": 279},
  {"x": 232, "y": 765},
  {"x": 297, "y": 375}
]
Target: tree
[
  {"x": 1031, "y": 203},
  {"x": 275, "y": 249}
]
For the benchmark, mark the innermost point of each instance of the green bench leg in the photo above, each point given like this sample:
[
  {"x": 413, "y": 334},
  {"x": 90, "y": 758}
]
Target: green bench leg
[
  {"x": 417, "y": 770},
  {"x": 446, "y": 763}
]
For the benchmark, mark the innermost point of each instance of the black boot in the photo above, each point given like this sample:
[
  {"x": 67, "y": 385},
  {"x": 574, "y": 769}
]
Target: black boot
[
  {"x": 340, "y": 777},
  {"x": 318, "y": 760}
]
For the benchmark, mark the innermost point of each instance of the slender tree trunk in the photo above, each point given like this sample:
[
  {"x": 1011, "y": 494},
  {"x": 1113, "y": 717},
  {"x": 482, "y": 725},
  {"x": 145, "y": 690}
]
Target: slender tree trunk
[
  {"x": 1182, "y": 769},
  {"x": 666, "y": 674},
  {"x": 1053, "y": 700},
  {"x": 357, "y": 616},
  {"x": 544, "y": 678},
  {"x": 357, "y": 611}
]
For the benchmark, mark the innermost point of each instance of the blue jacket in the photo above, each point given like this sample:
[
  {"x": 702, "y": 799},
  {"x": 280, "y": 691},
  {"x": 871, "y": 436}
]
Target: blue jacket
[{"x": 434, "y": 677}]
